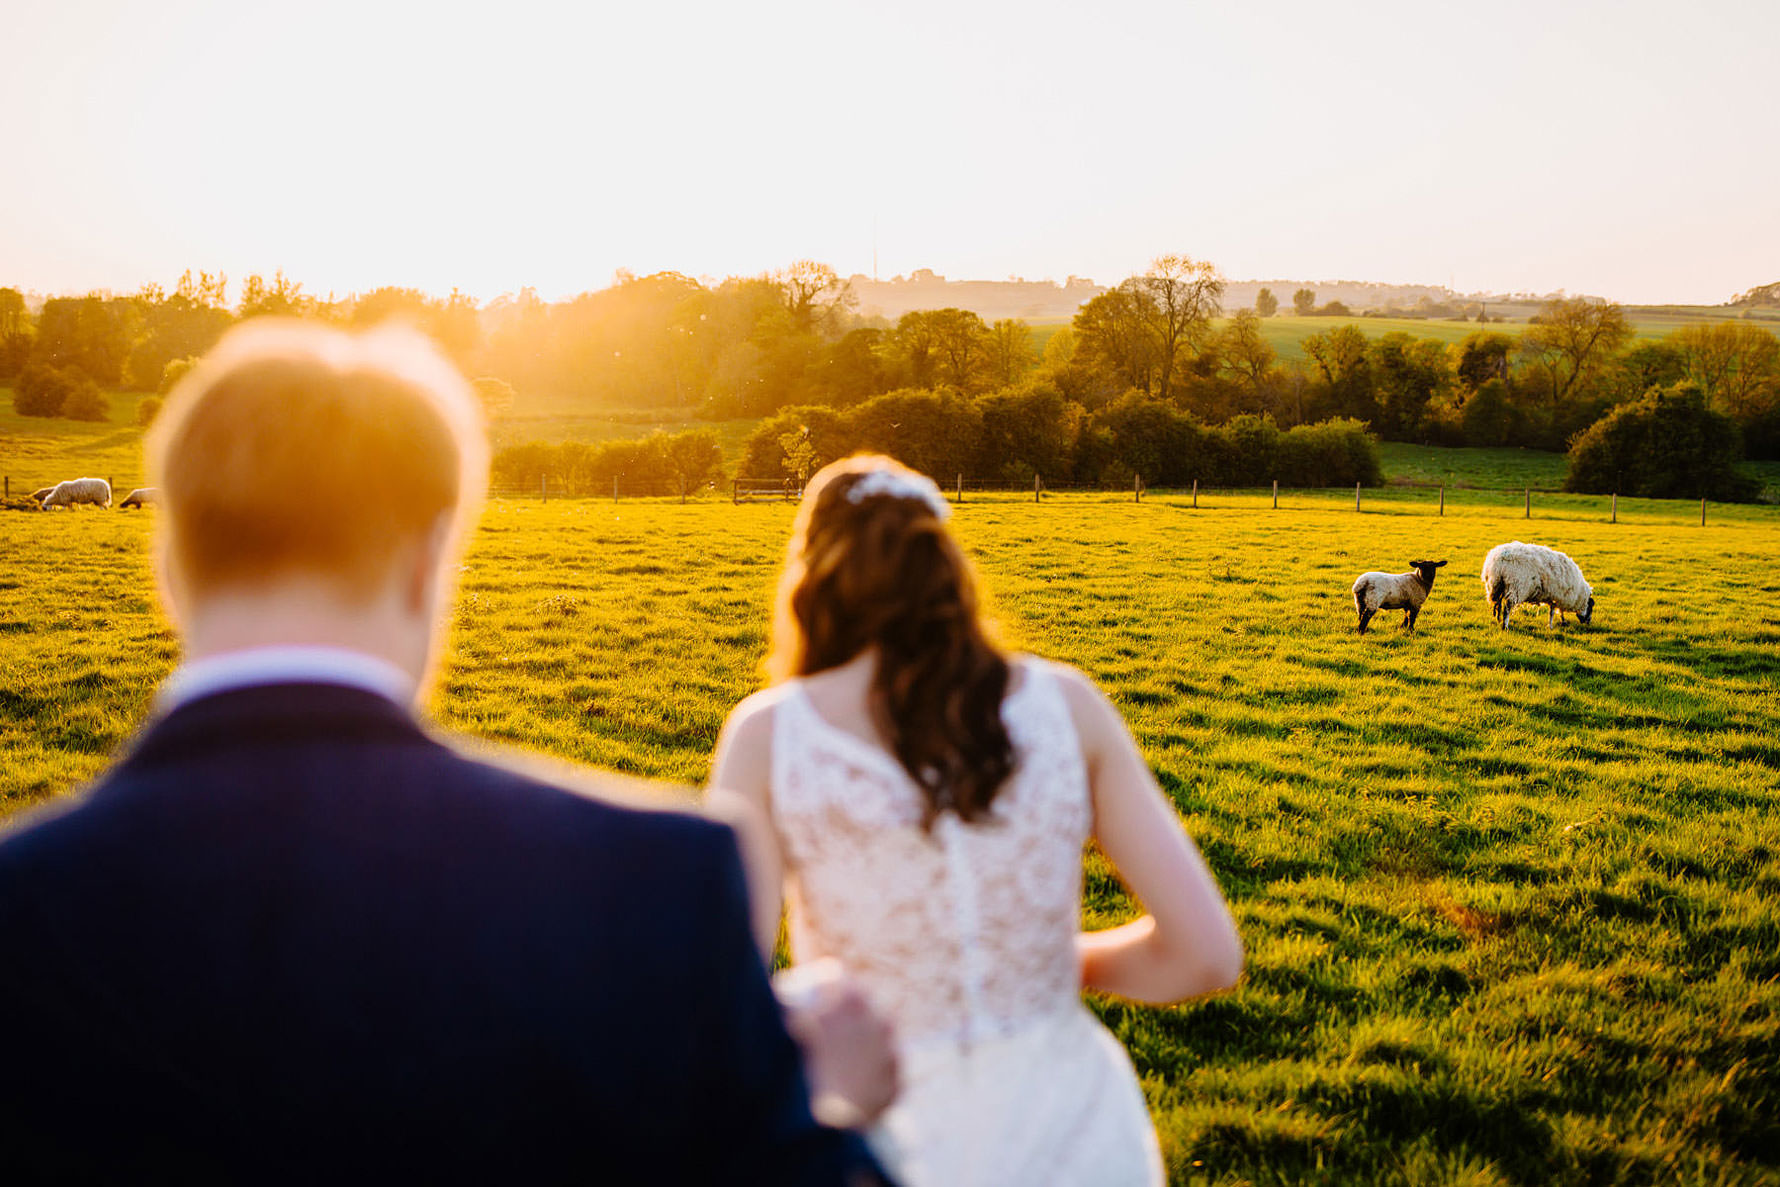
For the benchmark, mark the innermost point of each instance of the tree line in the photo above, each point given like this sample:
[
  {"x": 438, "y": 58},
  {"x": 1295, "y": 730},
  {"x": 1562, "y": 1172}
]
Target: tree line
[{"x": 753, "y": 346}]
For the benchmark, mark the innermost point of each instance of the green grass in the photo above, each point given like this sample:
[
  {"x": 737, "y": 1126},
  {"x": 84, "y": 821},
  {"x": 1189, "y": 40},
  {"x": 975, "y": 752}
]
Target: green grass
[
  {"x": 37, "y": 451},
  {"x": 1509, "y": 899},
  {"x": 1286, "y": 333}
]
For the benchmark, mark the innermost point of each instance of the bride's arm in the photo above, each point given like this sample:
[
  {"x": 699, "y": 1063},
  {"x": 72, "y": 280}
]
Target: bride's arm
[
  {"x": 739, "y": 794},
  {"x": 1187, "y": 945}
]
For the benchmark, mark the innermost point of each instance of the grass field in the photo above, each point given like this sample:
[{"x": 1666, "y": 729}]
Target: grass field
[{"x": 1510, "y": 899}]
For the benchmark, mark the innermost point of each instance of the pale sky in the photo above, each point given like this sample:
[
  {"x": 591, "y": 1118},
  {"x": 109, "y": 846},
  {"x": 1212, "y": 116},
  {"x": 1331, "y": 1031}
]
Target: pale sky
[{"x": 1623, "y": 149}]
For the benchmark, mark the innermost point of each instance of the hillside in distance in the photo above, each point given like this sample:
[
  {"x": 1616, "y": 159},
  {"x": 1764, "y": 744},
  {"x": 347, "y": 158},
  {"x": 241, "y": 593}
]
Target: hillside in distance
[{"x": 1049, "y": 300}]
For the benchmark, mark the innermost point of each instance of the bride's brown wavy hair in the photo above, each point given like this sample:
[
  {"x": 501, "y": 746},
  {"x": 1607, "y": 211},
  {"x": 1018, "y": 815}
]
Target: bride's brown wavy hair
[{"x": 884, "y": 572}]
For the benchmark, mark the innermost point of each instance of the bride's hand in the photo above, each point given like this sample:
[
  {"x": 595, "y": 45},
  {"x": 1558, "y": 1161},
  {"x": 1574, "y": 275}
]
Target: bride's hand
[{"x": 848, "y": 1055}]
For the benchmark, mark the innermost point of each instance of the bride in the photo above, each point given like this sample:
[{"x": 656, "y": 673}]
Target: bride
[{"x": 928, "y": 799}]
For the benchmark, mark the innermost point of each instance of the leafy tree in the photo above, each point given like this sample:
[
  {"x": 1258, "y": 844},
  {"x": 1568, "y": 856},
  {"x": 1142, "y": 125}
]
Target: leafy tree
[
  {"x": 1570, "y": 340},
  {"x": 814, "y": 295},
  {"x": 854, "y": 367},
  {"x": 1643, "y": 365},
  {"x": 1304, "y": 302},
  {"x": 1341, "y": 360},
  {"x": 1244, "y": 353},
  {"x": 1407, "y": 373},
  {"x": 183, "y": 324},
  {"x": 1112, "y": 333},
  {"x": 962, "y": 347},
  {"x": 914, "y": 344},
  {"x": 92, "y": 333},
  {"x": 147, "y": 410},
  {"x": 1184, "y": 296},
  {"x": 13, "y": 313},
  {"x": 1487, "y": 418},
  {"x": 1481, "y": 357},
  {"x": 281, "y": 298},
  {"x": 1010, "y": 351},
  {"x": 1335, "y": 309},
  {"x": 1736, "y": 366},
  {"x": 1266, "y": 304},
  {"x": 1669, "y": 444}
]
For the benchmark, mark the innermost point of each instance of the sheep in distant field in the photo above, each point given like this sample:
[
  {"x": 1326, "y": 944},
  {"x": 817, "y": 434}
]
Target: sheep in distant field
[
  {"x": 142, "y": 496},
  {"x": 1394, "y": 591},
  {"x": 96, "y": 491},
  {"x": 1516, "y": 574}
]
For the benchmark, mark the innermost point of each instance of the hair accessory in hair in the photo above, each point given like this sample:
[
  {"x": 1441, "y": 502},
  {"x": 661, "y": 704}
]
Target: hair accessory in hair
[{"x": 900, "y": 484}]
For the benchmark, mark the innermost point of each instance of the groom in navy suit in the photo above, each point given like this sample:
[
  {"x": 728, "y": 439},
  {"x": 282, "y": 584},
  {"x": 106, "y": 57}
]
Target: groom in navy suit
[{"x": 293, "y": 936}]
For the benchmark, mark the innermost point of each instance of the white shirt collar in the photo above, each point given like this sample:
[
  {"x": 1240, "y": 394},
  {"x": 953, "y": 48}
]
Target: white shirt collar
[{"x": 308, "y": 664}]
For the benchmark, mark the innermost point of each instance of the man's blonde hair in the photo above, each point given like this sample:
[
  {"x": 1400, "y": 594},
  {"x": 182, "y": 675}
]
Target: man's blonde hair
[{"x": 293, "y": 448}]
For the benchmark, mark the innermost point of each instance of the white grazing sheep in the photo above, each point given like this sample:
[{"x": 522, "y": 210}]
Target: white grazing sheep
[
  {"x": 1394, "y": 591},
  {"x": 1516, "y": 574},
  {"x": 142, "y": 496},
  {"x": 96, "y": 491}
]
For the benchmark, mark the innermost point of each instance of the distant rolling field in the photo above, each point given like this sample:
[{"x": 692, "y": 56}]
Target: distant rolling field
[{"x": 1511, "y": 900}]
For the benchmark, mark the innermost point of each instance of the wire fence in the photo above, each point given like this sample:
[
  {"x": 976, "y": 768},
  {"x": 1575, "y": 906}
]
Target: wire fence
[{"x": 1430, "y": 497}]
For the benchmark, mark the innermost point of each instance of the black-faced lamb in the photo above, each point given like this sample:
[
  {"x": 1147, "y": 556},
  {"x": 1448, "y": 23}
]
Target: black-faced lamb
[
  {"x": 1395, "y": 591},
  {"x": 75, "y": 491},
  {"x": 41, "y": 493},
  {"x": 1517, "y": 574},
  {"x": 142, "y": 496}
]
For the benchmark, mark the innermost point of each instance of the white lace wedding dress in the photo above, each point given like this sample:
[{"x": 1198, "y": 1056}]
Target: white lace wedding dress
[{"x": 965, "y": 937}]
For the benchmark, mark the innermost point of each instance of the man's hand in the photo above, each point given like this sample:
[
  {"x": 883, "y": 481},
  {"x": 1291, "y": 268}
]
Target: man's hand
[{"x": 848, "y": 1058}]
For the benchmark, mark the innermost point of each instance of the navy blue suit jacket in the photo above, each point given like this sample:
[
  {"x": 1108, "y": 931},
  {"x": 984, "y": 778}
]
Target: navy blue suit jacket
[{"x": 293, "y": 937}]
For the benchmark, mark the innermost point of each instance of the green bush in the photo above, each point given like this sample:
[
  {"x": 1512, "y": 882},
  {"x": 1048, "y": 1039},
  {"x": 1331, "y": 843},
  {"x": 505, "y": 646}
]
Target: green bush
[
  {"x": 87, "y": 402},
  {"x": 59, "y": 391},
  {"x": 147, "y": 410},
  {"x": 660, "y": 464},
  {"x": 1668, "y": 445},
  {"x": 173, "y": 372},
  {"x": 1329, "y": 453}
]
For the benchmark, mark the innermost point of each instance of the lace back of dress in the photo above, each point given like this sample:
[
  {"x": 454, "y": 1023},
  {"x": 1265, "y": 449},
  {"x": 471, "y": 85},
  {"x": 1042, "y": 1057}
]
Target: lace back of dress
[{"x": 960, "y": 932}]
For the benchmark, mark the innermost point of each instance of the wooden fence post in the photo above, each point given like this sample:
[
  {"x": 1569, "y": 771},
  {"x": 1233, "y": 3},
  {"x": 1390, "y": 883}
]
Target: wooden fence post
[
  {"x": 1137, "y": 488},
  {"x": 1529, "y": 513},
  {"x": 1195, "y": 494},
  {"x": 1443, "y": 499},
  {"x": 735, "y": 491},
  {"x": 1702, "y": 513},
  {"x": 1615, "y": 518},
  {"x": 960, "y": 490},
  {"x": 1035, "y": 487},
  {"x": 1276, "y": 494},
  {"x": 1356, "y": 496},
  {"x": 9, "y": 488}
]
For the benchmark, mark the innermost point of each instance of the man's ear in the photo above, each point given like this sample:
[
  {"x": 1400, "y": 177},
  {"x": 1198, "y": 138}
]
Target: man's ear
[
  {"x": 425, "y": 564},
  {"x": 167, "y": 584}
]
